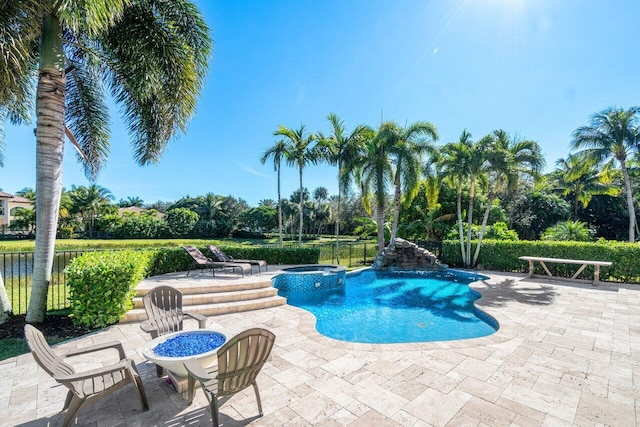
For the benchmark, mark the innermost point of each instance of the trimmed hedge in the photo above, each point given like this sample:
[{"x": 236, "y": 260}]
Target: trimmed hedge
[
  {"x": 102, "y": 285},
  {"x": 503, "y": 256}
]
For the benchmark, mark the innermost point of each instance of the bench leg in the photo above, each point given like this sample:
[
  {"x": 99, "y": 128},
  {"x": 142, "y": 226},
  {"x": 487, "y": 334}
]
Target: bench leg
[
  {"x": 530, "y": 268},
  {"x": 596, "y": 276}
]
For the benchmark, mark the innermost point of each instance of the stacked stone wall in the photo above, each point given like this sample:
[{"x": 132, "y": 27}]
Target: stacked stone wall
[{"x": 404, "y": 255}]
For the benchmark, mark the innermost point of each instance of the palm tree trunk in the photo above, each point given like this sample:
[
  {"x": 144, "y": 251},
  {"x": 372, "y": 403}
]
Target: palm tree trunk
[
  {"x": 301, "y": 213},
  {"x": 485, "y": 219},
  {"x": 380, "y": 221},
  {"x": 338, "y": 223},
  {"x": 632, "y": 211},
  {"x": 460, "y": 230},
  {"x": 50, "y": 109},
  {"x": 396, "y": 208},
  {"x": 472, "y": 188},
  {"x": 575, "y": 208},
  {"x": 279, "y": 209}
]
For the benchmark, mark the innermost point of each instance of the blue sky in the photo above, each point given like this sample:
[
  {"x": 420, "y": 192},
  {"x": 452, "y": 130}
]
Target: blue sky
[{"x": 535, "y": 68}]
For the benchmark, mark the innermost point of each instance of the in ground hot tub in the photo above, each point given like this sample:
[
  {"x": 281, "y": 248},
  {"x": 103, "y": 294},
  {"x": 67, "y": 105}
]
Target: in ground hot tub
[{"x": 310, "y": 277}]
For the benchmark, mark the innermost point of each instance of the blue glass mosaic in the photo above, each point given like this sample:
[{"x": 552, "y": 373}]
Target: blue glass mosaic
[{"x": 189, "y": 344}]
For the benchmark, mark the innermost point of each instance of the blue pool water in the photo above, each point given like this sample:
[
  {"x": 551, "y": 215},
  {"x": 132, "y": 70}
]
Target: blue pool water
[{"x": 397, "y": 307}]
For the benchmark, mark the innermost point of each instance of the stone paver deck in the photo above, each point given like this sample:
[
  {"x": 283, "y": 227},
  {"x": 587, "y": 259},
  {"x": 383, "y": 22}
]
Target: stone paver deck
[{"x": 565, "y": 354}]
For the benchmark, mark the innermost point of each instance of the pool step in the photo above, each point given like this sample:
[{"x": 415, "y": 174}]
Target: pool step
[{"x": 210, "y": 296}]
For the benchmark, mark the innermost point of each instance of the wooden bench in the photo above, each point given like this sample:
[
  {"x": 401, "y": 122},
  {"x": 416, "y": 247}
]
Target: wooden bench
[{"x": 584, "y": 263}]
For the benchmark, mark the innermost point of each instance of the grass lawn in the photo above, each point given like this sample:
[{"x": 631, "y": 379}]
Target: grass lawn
[{"x": 71, "y": 244}]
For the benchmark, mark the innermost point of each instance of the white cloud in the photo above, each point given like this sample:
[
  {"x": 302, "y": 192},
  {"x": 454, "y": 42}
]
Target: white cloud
[{"x": 253, "y": 171}]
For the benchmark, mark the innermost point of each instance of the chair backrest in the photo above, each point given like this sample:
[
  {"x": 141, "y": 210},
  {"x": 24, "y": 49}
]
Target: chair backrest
[
  {"x": 241, "y": 358},
  {"x": 44, "y": 355},
  {"x": 197, "y": 255},
  {"x": 217, "y": 252},
  {"x": 163, "y": 305}
]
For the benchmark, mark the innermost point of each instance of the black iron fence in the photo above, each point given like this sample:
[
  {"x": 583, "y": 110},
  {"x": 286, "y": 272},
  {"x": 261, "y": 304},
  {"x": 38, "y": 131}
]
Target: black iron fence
[{"x": 17, "y": 269}]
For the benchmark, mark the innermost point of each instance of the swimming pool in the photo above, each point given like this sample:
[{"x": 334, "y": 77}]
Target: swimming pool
[{"x": 397, "y": 307}]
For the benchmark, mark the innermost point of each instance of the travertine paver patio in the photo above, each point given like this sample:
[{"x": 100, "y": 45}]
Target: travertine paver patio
[{"x": 565, "y": 354}]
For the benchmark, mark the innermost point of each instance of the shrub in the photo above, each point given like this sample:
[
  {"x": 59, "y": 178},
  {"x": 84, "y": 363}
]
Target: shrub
[
  {"x": 180, "y": 222},
  {"x": 102, "y": 285},
  {"x": 567, "y": 231},
  {"x": 503, "y": 256}
]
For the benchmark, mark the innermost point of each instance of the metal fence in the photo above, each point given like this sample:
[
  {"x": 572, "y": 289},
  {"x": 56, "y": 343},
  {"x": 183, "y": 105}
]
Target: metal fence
[{"x": 17, "y": 268}]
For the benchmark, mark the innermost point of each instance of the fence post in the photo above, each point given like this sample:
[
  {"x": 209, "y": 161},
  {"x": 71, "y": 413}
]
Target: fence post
[
  {"x": 350, "y": 252},
  {"x": 364, "y": 261}
]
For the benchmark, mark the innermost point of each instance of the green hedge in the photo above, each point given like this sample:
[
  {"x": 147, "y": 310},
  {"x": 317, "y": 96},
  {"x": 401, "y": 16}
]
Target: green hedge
[
  {"x": 102, "y": 285},
  {"x": 503, "y": 256}
]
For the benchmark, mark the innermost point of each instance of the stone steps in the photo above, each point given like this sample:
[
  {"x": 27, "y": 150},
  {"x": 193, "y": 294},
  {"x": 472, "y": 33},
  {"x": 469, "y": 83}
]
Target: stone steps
[{"x": 211, "y": 297}]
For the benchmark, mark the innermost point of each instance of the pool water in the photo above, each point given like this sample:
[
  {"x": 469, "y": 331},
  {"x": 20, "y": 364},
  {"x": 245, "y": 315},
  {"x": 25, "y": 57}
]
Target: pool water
[{"x": 398, "y": 307}]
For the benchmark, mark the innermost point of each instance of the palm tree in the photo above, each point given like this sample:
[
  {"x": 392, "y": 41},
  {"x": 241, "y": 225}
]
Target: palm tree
[
  {"x": 277, "y": 152},
  {"x": 612, "y": 135},
  {"x": 135, "y": 201},
  {"x": 374, "y": 172},
  {"x": 342, "y": 148},
  {"x": 582, "y": 178},
  {"x": 299, "y": 152},
  {"x": 152, "y": 56},
  {"x": 508, "y": 161},
  {"x": 408, "y": 145},
  {"x": 463, "y": 162},
  {"x": 88, "y": 202},
  {"x": 267, "y": 203},
  {"x": 209, "y": 206}
]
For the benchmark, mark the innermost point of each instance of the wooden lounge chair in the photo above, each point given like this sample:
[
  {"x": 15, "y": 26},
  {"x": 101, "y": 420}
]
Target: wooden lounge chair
[
  {"x": 201, "y": 261},
  {"x": 221, "y": 256},
  {"x": 239, "y": 363},
  {"x": 84, "y": 387},
  {"x": 163, "y": 305}
]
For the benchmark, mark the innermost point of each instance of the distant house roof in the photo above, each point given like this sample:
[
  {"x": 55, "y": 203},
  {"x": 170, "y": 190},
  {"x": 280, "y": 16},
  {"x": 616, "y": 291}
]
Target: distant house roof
[
  {"x": 133, "y": 209},
  {"x": 14, "y": 199},
  {"x": 20, "y": 199}
]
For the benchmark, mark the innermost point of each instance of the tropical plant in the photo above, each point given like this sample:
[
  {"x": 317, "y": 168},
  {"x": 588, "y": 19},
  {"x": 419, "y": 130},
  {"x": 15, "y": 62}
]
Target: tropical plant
[
  {"x": 269, "y": 203},
  {"x": 24, "y": 220},
  {"x": 463, "y": 163},
  {"x": 131, "y": 201},
  {"x": 582, "y": 179},
  {"x": 574, "y": 231},
  {"x": 341, "y": 149},
  {"x": 374, "y": 172},
  {"x": 277, "y": 152},
  {"x": 89, "y": 202},
  {"x": 407, "y": 146},
  {"x": 507, "y": 161},
  {"x": 612, "y": 135},
  {"x": 180, "y": 222},
  {"x": 152, "y": 56},
  {"x": 299, "y": 152}
]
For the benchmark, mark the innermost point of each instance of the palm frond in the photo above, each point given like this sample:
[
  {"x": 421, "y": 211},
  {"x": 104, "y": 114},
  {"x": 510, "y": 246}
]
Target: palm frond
[
  {"x": 87, "y": 115},
  {"x": 157, "y": 59}
]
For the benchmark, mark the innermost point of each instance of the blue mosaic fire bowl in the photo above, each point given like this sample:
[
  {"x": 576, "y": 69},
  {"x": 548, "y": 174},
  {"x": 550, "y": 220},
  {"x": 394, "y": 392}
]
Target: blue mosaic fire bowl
[{"x": 171, "y": 350}]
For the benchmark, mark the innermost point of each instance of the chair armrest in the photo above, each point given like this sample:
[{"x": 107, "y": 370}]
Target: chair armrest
[
  {"x": 92, "y": 373},
  {"x": 149, "y": 326},
  {"x": 198, "y": 372},
  {"x": 116, "y": 345},
  {"x": 202, "y": 320}
]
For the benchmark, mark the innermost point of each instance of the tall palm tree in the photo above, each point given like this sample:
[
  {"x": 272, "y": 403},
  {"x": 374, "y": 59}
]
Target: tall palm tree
[
  {"x": 463, "y": 163},
  {"x": 508, "y": 160},
  {"x": 408, "y": 145},
  {"x": 209, "y": 206},
  {"x": 374, "y": 173},
  {"x": 613, "y": 135},
  {"x": 278, "y": 152},
  {"x": 152, "y": 56},
  {"x": 88, "y": 202},
  {"x": 299, "y": 152},
  {"x": 582, "y": 179},
  {"x": 342, "y": 148}
]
